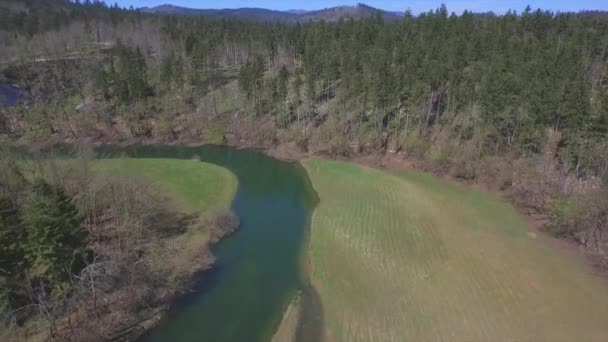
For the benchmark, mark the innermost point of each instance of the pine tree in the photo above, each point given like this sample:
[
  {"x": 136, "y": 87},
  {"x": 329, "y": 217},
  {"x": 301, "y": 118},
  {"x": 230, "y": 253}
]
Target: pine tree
[
  {"x": 12, "y": 237},
  {"x": 297, "y": 94},
  {"x": 56, "y": 238},
  {"x": 245, "y": 80},
  {"x": 282, "y": 82},
  {"x": 197, "y": 76},
  {"x": 251, "y": 81},
  {"x": 130, "y": 75},
  {"x": 166, "y": 71}
]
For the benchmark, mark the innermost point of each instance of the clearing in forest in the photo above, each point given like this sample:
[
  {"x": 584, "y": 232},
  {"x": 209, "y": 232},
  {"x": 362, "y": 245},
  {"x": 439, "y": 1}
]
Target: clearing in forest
[{"x": 408, "y": 257}]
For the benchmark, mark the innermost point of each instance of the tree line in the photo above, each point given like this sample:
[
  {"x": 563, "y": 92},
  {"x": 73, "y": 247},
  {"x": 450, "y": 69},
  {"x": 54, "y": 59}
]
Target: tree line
[
  {"x": 477, "y": 94},
  {"x": 496, "y": 81},
  {"x": 44, "y": 243}
]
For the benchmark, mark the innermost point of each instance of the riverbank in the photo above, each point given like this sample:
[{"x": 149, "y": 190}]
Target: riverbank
[
  {"x": 151, "y": 224},
  {"x": 395, "y": 161},
  {"x": 539, "y": 219},
  {"x": 200, "y": 191},
  {"x": 259, "y": 268},
  {"x": 205, "y": 192}
]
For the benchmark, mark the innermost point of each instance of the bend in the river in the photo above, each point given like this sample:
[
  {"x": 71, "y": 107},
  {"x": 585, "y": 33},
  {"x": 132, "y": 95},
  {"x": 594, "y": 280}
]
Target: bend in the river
[{"x": 260, "y": 268}]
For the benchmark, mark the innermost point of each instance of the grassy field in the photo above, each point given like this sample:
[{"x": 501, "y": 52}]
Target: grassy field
[
  {"x": 192, "y": 185},
  {"x": 408, "y": 257}
]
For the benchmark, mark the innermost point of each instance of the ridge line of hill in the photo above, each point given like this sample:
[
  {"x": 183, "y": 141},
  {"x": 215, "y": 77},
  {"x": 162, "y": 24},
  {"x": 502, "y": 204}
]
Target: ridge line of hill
[{"x": 330, "y": 14}]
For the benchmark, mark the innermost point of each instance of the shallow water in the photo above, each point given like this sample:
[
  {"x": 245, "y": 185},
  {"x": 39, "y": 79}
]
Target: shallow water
[
  {"x": 9, "y": 95},
  {"x": 259, "y": 268}
]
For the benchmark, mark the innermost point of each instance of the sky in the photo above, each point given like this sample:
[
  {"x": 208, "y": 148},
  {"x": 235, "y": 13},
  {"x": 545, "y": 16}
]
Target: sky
[{"x": 416, "y": 6}]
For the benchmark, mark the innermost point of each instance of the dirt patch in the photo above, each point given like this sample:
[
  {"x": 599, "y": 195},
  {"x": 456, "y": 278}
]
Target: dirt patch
[
  {"x": 389, "y": 161},
  {"x": 287, "y": 151}
]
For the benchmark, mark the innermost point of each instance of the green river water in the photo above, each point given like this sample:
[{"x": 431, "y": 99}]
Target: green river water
[{"x": 261, "y": 267}]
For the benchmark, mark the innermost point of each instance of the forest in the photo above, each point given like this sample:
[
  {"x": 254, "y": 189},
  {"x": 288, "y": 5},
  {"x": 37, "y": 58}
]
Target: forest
[
  {"x": 492, "y": 85},
  {"x": 517, "y": 102}
]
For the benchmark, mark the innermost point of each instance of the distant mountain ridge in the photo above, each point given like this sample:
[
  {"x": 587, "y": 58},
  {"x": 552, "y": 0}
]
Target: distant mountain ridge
[{"x": 331, "y": 14}]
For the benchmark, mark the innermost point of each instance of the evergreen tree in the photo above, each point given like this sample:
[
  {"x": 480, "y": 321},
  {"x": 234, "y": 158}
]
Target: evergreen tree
[
  {"x": 12, "y": 239},
  {"x": 282, "y": 89},
  {"x": 12, "y": 243},
  {"x": 297, "y": 94},
  {"x": 166, "y": 70},
  {"x": 130, "y": 76},
  {"x": 197, "y": 75},
  {"x": 56, "y": 238},
  {"x": 251, "y": 81}
]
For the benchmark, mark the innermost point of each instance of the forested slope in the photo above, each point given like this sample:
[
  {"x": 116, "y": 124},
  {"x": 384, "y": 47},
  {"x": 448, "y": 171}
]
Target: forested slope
[{"x": 519, "y": 101}]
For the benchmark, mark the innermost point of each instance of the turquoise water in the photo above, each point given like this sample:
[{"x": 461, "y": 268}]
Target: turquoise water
[{"x": 260, "y": 268}]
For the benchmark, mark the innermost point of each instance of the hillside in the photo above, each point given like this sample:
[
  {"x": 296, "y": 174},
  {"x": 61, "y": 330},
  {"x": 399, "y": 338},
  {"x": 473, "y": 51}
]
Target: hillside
[
  {"x": 257, "y": 14},
  {"x": 359, "y": 11},
  {"x": 331, "y": 14}
]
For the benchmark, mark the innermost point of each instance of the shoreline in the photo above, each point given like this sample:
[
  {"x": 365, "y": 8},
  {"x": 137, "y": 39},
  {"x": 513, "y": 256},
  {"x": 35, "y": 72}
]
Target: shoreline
[
  {"x": 121, "y": 324},
  {"x": 537, "y": 222}
]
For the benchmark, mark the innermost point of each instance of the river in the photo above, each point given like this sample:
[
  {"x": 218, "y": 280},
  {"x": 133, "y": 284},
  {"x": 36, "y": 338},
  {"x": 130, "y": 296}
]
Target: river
[
  {"x": 9, "y": 95},
  {"x": 261, "y": 267}
]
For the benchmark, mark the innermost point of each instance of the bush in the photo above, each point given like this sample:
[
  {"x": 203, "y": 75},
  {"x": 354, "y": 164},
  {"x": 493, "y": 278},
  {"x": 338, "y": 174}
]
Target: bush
[
  {"x": 221, "y": 223},
  {"x": 298, "y": 136},
  {"x": 440, "y": 157},
  {"x": 256, "y": 131},
  {"x": 585, "y": 217},
  {"x": 214, "y": 133},
  {"x": 497, "y": 172},
  {"x": 562, "y": 214},
  {"x": 414, "y": 145},
  {"x": 464, "y": 170},
  {"x": 329, "y": 138}
]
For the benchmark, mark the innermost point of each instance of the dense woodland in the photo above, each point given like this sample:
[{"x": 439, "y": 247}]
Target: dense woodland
[
  {"x": 495, "y": 84},
  {"x": 518, "y": 101}
]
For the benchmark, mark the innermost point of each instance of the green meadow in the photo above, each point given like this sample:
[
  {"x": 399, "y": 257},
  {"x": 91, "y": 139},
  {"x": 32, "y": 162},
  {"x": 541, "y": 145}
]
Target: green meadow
[
  {"x": 193, "y": 186},
  {"x": 408, "y": 257}
]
